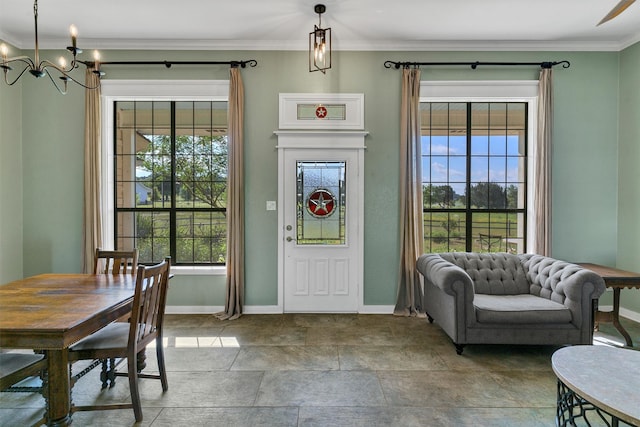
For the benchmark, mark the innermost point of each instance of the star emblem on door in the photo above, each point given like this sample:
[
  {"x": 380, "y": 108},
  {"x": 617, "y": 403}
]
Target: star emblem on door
[
  {"x": 321, "y": 112},
  {"x": 321, "y": 203}
]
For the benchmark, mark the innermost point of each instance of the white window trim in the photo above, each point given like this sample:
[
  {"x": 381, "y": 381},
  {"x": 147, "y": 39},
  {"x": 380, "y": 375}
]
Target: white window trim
[
  {"x": 148, "y": 90},
  {"x": 495, "y": 91}
]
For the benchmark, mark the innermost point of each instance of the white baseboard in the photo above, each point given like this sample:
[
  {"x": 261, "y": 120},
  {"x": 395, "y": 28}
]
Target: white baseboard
[
  {"x": 262, "y": 309},
  {"x": 377, "y": 309},
  {"x": 366, "y": 309},
  {"x": 624, "y": 312},
  {"x": 193, "y": 309}
]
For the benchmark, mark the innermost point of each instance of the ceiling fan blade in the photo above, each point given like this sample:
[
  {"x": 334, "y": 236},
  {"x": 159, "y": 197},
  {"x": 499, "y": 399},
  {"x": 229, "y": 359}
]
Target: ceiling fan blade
[{"x": 617, "y": 10}]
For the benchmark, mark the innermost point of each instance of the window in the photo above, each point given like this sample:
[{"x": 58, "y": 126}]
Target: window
[
  {"x": 170, "y": 180},
  {"x": 474, "y": 169}
]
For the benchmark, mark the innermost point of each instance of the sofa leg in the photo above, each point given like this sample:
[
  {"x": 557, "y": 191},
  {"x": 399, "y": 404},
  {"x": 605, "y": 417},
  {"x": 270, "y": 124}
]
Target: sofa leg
[
  {"x": 429, "y": 318},
  {"x": 459, "y": 348}
]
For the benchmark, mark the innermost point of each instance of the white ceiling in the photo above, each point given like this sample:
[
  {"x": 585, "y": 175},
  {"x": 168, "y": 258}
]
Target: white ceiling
[{"x": 356, "y": 24}]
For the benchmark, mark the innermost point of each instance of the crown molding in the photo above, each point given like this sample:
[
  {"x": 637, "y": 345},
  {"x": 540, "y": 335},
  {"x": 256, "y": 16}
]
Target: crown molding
[{"x": 338, "y": 45}]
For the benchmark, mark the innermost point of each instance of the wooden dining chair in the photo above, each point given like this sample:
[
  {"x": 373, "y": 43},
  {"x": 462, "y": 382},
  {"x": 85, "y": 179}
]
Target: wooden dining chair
[
  {"x": 115, "y": 262},
  {"x": 110, "y": 262},
  {"x": 122, "y": 341},
  {"x": 15, "y": 367}
]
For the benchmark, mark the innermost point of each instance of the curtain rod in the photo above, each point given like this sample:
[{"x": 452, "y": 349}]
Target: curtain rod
[
  {"x": 474, "y": 65},
  {"x": 168, "y": 64}
]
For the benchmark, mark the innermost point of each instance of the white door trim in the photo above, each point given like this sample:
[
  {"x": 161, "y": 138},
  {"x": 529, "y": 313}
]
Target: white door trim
[{"x": 330, "y": 140}]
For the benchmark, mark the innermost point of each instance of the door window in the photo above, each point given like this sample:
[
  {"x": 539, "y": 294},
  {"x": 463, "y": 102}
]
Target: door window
[{"x": 321, "y": 202}]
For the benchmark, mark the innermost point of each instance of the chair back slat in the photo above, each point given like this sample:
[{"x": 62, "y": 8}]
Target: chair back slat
[
  {"x": 115, "y": 262},
  {"x": 149, "y": 304}
]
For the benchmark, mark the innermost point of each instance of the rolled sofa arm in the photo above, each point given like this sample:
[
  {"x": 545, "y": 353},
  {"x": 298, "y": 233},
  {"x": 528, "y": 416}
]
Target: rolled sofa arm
[
  {"x": 551, "y": 276},
  {"x": 575, "y": 288},
  {"x": 444, "y": 274}
]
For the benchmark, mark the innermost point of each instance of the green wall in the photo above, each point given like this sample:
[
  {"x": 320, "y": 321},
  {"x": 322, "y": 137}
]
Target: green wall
[
  {"x": 585, "y": 157},
  {"x": 10, "y": 182},
  {"x": 628, "y": 172}
]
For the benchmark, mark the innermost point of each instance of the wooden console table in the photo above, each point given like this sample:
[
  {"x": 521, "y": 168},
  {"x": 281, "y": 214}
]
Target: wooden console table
[
  {"x": 597, "y": 381},
  {"x": 617, "y": 280}
]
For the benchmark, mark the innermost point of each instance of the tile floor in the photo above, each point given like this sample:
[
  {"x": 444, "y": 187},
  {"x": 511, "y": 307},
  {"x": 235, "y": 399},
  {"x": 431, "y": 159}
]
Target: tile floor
[{"x": 324, "y": 370}]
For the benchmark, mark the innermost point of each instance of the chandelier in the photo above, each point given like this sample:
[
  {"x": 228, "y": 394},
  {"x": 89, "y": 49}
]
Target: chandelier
[
  {"x": 320, "y": 44},
  {"x": 40, "y": 68}
]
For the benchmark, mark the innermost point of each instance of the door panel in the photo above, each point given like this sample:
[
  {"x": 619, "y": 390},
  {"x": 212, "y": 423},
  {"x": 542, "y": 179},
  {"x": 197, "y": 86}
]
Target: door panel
[{"x": 321, "y": 229}]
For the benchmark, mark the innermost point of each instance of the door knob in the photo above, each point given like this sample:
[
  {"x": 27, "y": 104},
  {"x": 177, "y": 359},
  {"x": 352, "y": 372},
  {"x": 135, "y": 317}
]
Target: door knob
[{"x": 289, "y": 239}]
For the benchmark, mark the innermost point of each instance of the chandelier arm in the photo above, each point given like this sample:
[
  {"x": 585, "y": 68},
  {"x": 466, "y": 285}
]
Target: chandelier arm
[
  {"x": 18, "y": 77},
  {"x": 38, "y": 68},
  {"x": 63, "y": 92},
  {"x": 48, "y": 64},
  {"x": 24, "y": 59},
  {"x": 65, "y": 77}
]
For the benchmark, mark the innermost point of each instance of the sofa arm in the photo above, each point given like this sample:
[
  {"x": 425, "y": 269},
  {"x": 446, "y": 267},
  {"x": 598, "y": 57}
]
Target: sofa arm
[
  {"x": 582, "y": 284},
  {"x": 555, "y": 279},
  {"x": 566, "y": 283},
  {"x": 444, "y": 274}
]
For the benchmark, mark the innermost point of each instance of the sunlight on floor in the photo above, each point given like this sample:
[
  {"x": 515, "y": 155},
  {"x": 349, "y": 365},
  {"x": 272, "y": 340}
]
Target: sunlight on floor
[{"x": 198, "y": 342}]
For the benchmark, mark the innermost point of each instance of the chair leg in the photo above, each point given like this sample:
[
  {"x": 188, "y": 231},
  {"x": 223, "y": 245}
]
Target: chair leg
[
  {"x": 104, "y": 374},
  {"x": 112, "y": 372},
  {"x": 133, "y": 388},
  {"x": 161, "y": 367}
]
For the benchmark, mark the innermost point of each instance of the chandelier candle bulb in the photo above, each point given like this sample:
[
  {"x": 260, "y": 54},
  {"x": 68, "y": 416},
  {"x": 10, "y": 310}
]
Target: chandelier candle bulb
[{"x": 74, "y": 35}]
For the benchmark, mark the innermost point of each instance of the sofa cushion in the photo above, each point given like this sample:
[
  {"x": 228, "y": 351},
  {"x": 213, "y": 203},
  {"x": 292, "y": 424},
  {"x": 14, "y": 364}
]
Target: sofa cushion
[
  {"x": 492, "y": 273},
  {"x": 519, "y": 309}
]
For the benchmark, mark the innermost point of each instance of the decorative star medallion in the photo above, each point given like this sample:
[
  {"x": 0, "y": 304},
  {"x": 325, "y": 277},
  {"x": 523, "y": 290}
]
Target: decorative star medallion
[
  {"x": 321, "y": 203},
  {"x": 321, "y": 112}
]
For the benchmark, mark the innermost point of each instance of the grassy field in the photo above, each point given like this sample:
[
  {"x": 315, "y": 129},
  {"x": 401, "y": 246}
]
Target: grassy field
[{"x": 446, "y": 232}]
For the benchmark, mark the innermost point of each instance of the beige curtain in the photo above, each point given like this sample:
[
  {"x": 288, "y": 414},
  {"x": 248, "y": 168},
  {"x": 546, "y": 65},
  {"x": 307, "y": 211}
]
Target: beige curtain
[
  {"x": 235, "y": 201},
  {"x": 409, "y": 299},
  {"x": 542, "y": 185},
  {"x": 92, "y": 220}
]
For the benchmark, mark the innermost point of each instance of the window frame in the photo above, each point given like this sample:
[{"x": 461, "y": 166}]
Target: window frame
[
  {"x": 147, "y": 90},
  {"x": 525, "y": 91}
]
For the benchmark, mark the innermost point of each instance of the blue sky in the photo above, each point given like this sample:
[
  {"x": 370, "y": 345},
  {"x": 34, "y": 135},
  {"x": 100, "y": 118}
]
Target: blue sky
[{"x": 493, "y": 158}]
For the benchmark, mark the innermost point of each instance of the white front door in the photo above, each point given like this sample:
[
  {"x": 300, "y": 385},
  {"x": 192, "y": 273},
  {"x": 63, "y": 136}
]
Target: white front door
[{"x": 321, "y": 211}]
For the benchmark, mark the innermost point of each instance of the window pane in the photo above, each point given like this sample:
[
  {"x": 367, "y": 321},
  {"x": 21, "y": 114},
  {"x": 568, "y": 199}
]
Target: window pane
[
  {"x": 479, "y": 143},
  {"x": 479, "y": 191},
  {"x": 444, "y": 232},
  {"x": 458, "y": 169},
  {"x": 497, "y": 115},
  {"x": 516, "y": 116},
  {"x": 457, "y": 117},
  {"x": 498, "y": 145},
  {"x": 515, "y": 145},
  {"x": 166, "y": 163},
  {"x": 458, "y": 144},
  {"x": 479, "y": 115},
  {"x": 321, "y": 203}
]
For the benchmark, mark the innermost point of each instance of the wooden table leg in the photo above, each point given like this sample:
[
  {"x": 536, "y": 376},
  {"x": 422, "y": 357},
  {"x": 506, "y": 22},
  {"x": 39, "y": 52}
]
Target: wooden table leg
[
  {"x": 59, "y": 406},
  {"x": 616, "y": 317}
]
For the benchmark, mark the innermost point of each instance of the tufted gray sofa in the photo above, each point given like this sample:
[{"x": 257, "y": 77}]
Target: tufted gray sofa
[{"x": 501, "y": 298}]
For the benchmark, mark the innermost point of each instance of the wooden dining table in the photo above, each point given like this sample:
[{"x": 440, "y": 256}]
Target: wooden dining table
[{"x": 50, "y": 312}]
